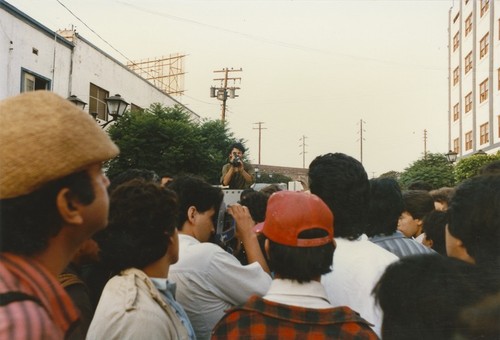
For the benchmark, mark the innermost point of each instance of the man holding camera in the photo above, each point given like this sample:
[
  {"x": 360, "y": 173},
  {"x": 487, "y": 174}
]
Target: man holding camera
[{"x": 236, "y": 174}]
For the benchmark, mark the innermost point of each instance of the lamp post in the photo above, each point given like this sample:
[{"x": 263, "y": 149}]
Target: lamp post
[
  {"x": 451, "y": 156},
  {"x": 480, "y": 152},
  {"x": 77, "y": 101},
  {"x": 116, "y": 106}
]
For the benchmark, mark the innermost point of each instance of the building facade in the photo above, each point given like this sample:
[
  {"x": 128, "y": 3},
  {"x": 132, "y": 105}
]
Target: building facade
[
  {"x": 33, "y": 57},
  {"x": 474, "y": 77}
]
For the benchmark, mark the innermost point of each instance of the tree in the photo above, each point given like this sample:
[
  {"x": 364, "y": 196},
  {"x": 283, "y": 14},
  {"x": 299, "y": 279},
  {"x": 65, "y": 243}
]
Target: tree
[
  {"x": 167, "y": 141},
  {"x": 433, "y": 169},
  {"x": 391, "y": 174},
  {"x": 469, "y": 166},
  {"x": 265, "y": 177}
]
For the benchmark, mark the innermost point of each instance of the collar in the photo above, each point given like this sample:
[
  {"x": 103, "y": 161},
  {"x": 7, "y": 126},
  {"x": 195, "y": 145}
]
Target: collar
[
  {"x": 188, "y": 239},
  {"x": 291, "y": 288}
]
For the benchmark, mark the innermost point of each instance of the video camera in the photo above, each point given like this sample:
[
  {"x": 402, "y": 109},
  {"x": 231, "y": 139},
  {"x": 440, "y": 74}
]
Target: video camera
[{"x": 236, "y": 160}]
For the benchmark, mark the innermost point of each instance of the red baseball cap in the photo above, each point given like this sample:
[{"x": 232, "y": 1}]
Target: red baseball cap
[{"x": 290, "y": 212}]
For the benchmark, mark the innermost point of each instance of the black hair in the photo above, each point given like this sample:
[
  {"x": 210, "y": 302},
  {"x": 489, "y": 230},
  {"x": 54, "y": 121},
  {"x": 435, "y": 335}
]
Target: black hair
[
  {"x": 245, "y": 192},
  {"x": 256, "y": 202},
  {"x": 435, "y": 230},
  {"x": 302, "y": 264},
  {"x": 474, "y": 218},
  {"x": 238, "y": 146},
  {"x": 130, "y": 174},
  {"x": 421, "y": 296},
  {"x": 418, "y": 203},
  {"x": 386, "y": 205},
  {"x": 342, "y": 183},
  {"x": 442, "y": 195},
  {"x": 142, "y": 216},
  {"x": 420, "y": 185},
  {"x": 28, "y": 222},
  {"x": 492, "y": 168},
  {"x": 195, "y": 191}
]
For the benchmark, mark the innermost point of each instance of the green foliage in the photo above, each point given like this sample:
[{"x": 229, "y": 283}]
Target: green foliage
[
  {"x": 434, "y": 169},
  {"x": 469, "y": 167},
  {"x": 265, "y": 177},
  {"x": 391, "y": 174},
  {"x": 167, "y": 141}
]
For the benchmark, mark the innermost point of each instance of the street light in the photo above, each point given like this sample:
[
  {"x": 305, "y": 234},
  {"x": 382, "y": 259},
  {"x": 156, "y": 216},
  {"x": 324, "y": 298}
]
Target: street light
[
  {"x": 77, "y": 101},
  {"x": 480, "y": 152},
  {"x": 451, "y": 156},
  {"x": 116, "y": 106}
]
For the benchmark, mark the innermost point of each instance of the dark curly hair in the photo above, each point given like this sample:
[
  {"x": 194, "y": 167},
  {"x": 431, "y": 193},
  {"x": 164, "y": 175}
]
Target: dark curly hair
[
  {"x": 28, "y": 222},
  {"x": 342, "y": 183},
  {"x": 474, "y": 218},
  {"x": 142, "y": 216}
]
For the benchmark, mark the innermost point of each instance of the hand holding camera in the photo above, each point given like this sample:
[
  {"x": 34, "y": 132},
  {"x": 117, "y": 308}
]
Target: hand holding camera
[{"x": 236, "y": 161}]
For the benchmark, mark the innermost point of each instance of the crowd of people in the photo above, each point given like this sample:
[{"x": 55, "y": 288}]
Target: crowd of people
[{"x": 141, "y": 256}]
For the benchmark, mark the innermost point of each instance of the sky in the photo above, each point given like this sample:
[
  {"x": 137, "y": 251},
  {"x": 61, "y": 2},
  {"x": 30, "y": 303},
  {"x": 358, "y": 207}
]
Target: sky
[{"x": 326, "y": 70}]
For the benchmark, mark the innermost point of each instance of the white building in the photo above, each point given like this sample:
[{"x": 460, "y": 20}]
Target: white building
[
  {"x": 34, "y": 57},
  {"x": 474, "y": 77}
]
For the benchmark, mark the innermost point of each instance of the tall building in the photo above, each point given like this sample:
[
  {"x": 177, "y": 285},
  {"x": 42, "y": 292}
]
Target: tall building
[{"x": 474, "y": 76}]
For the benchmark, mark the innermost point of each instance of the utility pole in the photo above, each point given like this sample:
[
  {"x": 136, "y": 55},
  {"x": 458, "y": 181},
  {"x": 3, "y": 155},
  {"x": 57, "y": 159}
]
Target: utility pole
[
  {"x": 361, "y": 139},
  {"x": 222, "y": 92},
  {"x": 425, "y": 144},
  {"x": 260, "y": 128},
  {"x": 303, "y": 153}
]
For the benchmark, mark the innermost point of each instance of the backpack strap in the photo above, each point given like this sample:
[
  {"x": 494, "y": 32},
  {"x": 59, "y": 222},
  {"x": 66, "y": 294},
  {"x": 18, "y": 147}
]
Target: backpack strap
[{"x": 9, "y": 297}]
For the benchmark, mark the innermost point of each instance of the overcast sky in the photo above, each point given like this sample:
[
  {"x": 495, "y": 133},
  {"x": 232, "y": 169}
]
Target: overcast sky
[{"x": 310, "y": 68}]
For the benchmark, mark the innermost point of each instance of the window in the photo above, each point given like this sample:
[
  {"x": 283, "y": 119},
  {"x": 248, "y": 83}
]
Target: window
[
  {"x": 468, "y": 24},
  {"x": 455, "y": 112},
  {"x": 483, "y": 91},
  {"x": 468, "y": 62},
  {"x": 456, "y": 75},
  {"x": 31, "y": 81},
  {"x": 468, "y": 140},
  {"x": 456, "y": 41},
  {"x": 468, "y": 102},
  {"x": 485, "y": 4},
  {"x": 483, "y": 45},
  {"x": 97, "y": 103},
  {"x": 456, "y": 146},
  {"x": 483, "y": 134}
]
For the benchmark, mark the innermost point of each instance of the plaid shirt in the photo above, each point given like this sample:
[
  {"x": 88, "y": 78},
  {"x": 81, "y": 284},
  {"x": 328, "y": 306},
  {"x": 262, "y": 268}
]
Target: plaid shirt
[{"x": 263, "y": 319}]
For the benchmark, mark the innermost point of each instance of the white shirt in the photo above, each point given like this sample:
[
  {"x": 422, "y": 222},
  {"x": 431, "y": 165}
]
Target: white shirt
[
  {"x": 289, "y": 292},
  {"x": 210, "y": 280},
  {"x": 357, "y": 267}
]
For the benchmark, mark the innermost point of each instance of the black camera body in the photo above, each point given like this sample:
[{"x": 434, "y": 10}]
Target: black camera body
[{"x": 236, "y": 160}]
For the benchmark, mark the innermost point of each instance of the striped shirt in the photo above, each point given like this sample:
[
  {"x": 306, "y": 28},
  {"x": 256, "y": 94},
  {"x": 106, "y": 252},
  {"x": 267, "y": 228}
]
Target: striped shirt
[
  {"x": 400, "y": 245},
  {"x": 27, "y": 319}
]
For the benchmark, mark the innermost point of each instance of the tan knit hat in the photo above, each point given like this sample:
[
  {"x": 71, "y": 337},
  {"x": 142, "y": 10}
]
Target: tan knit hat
[{"x": 44, "y": 137}]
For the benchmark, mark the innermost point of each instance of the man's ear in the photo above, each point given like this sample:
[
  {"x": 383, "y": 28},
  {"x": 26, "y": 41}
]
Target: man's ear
[
  {"x": 69, "y": 207},
  {"x": 191, "y": 214}
]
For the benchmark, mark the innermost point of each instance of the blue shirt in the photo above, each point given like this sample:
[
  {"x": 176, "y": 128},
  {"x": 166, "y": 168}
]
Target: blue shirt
[
  {"x": 167, "y": 290},
  {"x": 400, "y": 245}
]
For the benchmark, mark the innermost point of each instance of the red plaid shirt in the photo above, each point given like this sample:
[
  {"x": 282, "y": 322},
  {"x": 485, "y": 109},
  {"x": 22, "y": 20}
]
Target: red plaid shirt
[{"x": 263, "y": 319}]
